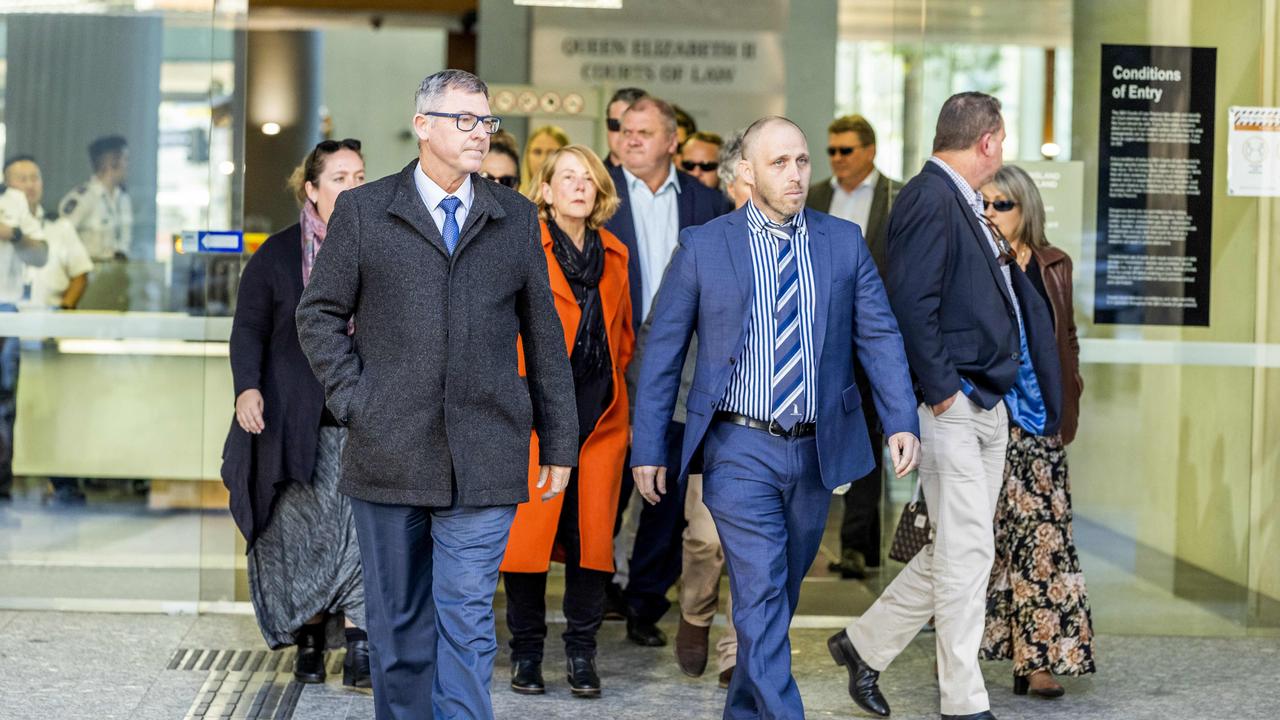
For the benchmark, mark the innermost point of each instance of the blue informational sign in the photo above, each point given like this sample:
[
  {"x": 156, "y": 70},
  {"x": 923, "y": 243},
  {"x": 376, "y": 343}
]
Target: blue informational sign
[{"x": 213, "y": 241}]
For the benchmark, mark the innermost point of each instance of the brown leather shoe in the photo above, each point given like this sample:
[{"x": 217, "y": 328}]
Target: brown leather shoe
[
  {"x": 726, "y": 675},
  {"x": 691, "y": 648}
]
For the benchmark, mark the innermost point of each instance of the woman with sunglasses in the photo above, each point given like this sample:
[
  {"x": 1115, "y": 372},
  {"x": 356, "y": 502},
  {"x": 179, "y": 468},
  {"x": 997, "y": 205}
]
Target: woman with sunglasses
[
  {"x": 1037, "y": 610},
  {"x": 502, "y": 163},
  {"x": 588, "y": 270},
  {"x": 542, "y": 142},
  {"x": 281, "y": 461}
]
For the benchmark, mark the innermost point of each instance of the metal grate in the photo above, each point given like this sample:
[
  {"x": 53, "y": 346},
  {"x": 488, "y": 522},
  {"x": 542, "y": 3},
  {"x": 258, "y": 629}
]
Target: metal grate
[{"x": 248, "y": 684}]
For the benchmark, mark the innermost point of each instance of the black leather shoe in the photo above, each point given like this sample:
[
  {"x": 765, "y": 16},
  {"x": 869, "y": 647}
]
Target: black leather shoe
[
  {"x": 584, "y": 682},
  {"x": 526, "y": 677},
  {"x": 355, "y": 666},
  {"x": 852, "y": 565},
  {"x": 984, "y": 715},
  {"x": 863, "y": 679},
  {"x": 645, "y": 634},
  {"x": 1022, "y": 686},
  {"x": 309, "y": 666}
]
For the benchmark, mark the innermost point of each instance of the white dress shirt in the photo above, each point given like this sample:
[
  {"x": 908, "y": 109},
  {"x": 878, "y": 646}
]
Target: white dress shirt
[
  {"x": 854, "y": 205},
  {"x": 656, "y": 216},
  {"x": 15, "y": 212},
  {"x": 68, "y": 259},
  {"x": 432, "y": 194},
  {"x": 103, "y": 218}
]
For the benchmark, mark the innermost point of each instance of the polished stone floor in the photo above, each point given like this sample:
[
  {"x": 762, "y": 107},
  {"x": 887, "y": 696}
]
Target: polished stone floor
[{"x": 95, "y": 665}]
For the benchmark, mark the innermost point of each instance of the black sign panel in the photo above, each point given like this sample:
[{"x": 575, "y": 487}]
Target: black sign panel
[{"x": 1155, "y": 185}]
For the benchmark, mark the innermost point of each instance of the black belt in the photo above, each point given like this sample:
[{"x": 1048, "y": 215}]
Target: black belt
[{"x": 772, "y": 427}]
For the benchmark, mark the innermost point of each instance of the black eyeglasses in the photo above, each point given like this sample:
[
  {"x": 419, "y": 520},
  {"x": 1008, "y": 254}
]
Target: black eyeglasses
[
  {"x": 1005, "y": 251},
  {"x": 690, "y": 166},
  {"x": 999, "y": 205},
  {"x": 614, "y": 124},
  {"x": 843, "y": 151},
  {"x": 510, "y": 181},
  {"x": 333, "y": 146},
  {"x": 467, "y": 122}
]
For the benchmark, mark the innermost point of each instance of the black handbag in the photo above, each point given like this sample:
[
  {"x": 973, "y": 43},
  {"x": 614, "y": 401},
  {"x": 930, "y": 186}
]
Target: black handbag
[{"x": 914, "y": 530}]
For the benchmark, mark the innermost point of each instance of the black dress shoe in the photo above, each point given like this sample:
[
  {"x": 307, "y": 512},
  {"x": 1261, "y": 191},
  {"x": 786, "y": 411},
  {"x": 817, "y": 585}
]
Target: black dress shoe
[
  {"x": 1022, "y": 686},
  {"x": 726, "y": 677},
  {"x": 583, "y": 680},
  {"x": 355, "y": 666},
  {"x": 309, "y": 666},
  {"x": 852, "y": 565},
  {"x": 984, "y": 715},
  {"x": 863, "y": 679},
  {"x": 645, "y": 634},
  {"x": 526, "y": 677}
]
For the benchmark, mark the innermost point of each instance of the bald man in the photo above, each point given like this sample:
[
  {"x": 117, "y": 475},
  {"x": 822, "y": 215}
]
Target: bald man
[{"x": 783, "y": 297}]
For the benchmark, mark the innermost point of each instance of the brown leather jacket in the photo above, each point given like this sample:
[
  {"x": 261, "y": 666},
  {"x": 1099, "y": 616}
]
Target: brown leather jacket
[{"x": 1055, "y": 269}]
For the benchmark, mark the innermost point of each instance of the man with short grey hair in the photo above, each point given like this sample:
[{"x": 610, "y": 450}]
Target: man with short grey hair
[
  {"x": 973, "y": 325},
  {"x": 447, "y": 272}
]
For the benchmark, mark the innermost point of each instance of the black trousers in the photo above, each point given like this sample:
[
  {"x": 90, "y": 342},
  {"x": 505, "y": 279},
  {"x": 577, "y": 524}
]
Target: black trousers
[
  {"x": 657, "y": 554},
  {"x": 860, "y": 526},
  {"x": 583, "y": 594}
]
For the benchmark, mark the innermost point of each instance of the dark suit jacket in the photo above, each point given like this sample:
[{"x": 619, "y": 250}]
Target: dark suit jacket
[
  {"x": 429, "y": 388},
  {"x": 953, "y": 306},
  {"x": 821, "y": 194},
  {"x": 708, "y": 289},
  {"x": 697, "y": 204},
  {"x": 266, "y": 356}
]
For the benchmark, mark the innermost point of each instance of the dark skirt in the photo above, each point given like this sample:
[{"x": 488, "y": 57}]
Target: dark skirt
[
  {"x": 1037, "y": 609},
  {"x": 307, "y": 560}
]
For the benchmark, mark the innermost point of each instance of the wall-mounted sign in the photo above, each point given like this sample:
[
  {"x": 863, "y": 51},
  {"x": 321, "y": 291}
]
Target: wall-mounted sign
[
  {"x": 1155, "y": 185},
  {"x": 1253, "y": 151}
]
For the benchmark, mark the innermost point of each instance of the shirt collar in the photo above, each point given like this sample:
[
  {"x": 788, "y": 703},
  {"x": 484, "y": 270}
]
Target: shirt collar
[
  {"x": 634, "y": 182},
  {"x": 869, "y": 181},
  {"x": 973, "y": 197},
  {"x": 432, "y": 193},
  {"x": 756, "y": 218}
]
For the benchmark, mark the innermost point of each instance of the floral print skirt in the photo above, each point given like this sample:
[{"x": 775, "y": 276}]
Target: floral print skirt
[{"x": 1037, "y": 608}]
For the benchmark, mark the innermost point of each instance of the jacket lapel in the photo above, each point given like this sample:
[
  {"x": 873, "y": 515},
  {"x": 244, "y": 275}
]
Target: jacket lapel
[
  {"x": 979, "y": 236},
  {"x": 879, "y": 211},
  {"x": 820, "y": 260},
  {"x": 684, "y": 199},
  {"x": 737, "y": 238},
  {"x": 484, "y": 207},
  {"x": 408, "y": 206}
]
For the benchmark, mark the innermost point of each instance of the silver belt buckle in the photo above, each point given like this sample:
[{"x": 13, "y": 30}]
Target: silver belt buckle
[{"x": 774, "y": 424}]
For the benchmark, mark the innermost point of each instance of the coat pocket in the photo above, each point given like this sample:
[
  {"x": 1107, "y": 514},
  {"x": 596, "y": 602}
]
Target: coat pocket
[
  {"x": 851, "y": 398},
  {"x": 962, "y": 345}
]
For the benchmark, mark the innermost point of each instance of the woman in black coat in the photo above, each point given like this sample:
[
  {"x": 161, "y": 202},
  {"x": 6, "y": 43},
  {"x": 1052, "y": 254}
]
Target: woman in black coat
[{"x": 282, "y": 458}]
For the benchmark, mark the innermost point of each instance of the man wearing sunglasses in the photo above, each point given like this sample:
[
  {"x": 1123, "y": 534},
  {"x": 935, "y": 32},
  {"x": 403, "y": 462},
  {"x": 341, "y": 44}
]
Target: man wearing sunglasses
[
  {"x": 700, "y": 157},
  {"x": 963, "y": 310},
  {"x": 622, "y": 99},
  {"x": 447, "y": 271},
  {"x": 861, "y": 194}
]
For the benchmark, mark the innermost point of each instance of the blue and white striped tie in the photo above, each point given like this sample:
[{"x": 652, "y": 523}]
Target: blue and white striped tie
[{"x": 788, "y": 360}]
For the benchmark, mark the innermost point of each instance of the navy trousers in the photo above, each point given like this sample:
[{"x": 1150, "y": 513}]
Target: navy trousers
[
  {"x": 770, "y": 507},
  {"x": 654, "y": 566},
  {"x": 429, "y": 579}
]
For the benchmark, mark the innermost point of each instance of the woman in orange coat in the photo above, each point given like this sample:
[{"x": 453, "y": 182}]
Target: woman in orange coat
[{"x": 588, "y": 269}]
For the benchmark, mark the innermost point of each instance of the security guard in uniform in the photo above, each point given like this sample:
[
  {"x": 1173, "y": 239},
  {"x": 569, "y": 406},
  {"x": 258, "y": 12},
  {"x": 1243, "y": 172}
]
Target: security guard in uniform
[{"x": 102, "y": 214}]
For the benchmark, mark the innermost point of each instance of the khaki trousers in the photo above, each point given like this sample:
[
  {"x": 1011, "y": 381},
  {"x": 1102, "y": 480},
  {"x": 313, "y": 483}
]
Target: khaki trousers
[
  {"x": 700, "y": 579},
  {"x": 961, "y": 472}
]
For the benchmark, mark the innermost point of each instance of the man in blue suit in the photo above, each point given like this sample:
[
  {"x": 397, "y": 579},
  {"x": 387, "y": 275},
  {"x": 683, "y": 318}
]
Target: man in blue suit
[
  {"x": 657, "y": 203},
  {"x": 780, "y": 298}
]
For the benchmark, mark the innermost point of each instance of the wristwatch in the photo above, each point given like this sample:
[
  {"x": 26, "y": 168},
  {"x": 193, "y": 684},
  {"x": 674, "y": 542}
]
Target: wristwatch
[{"x": 17, "y": 234}]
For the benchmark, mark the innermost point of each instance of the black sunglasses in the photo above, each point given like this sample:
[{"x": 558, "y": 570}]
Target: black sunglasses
[
  {"x": 690, "y": 166},
  {"x": 843, "y": 151},
  {"x": 508, "y": 180},
  {"x": 999, "y": 205},
  {"x": 614, "y": 124},
  {"x": 333, "y": 146},
  {"x": 1006, "y": 254}
]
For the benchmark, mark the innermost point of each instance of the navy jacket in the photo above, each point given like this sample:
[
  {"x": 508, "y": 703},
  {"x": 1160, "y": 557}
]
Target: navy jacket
[
  {"x": 708, "y": 289},
  {"x": 953, "y": 306},
  {"x": 698, "y": 204}
]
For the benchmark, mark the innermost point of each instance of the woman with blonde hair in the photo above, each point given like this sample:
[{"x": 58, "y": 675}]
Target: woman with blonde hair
[
  {"x": 1037, "y": 610},
  {"x": 588, "y": 272},
  {"x": 541, "y": 143}
]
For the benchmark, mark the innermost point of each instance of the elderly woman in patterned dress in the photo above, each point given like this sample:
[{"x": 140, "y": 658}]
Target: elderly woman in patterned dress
[{"x": 1037, "y": 609}]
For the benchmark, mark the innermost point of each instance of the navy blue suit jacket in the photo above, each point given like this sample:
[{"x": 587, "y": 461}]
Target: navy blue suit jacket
[
  {"x": 708, "y": 289},
  {"x": 698, "y": 204},
  {"x": 952, "y": 303}
]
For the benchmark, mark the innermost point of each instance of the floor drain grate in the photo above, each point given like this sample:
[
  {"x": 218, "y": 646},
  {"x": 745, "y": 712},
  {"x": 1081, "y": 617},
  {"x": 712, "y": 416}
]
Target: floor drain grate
[{"x": 249, "y": 684}]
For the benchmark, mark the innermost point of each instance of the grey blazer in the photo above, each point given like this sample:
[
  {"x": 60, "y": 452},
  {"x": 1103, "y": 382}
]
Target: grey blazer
[
  {"x": 876, "y": 231},
  {"x": 428, "y": 386}
]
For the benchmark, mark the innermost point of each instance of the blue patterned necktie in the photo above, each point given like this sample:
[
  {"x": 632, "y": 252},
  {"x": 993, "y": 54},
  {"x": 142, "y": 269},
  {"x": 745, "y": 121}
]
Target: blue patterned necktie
[
  {"x": 450, "y": 231},
  {"x": 788, "y": 361}
]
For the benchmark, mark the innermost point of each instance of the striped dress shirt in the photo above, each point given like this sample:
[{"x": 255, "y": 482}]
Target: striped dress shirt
[{"x": 750, "y": 390}]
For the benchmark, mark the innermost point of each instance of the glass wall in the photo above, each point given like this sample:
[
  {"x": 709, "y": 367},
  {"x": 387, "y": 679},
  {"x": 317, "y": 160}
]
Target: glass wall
[{"x": 115, "y": 371}]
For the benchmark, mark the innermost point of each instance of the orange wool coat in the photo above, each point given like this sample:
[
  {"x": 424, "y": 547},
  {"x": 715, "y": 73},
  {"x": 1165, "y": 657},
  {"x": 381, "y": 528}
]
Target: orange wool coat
[{"x": 530, "y": 547}]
